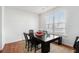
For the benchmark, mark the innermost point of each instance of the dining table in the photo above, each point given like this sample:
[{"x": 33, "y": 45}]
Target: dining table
[{"x": 46, "y": 40}]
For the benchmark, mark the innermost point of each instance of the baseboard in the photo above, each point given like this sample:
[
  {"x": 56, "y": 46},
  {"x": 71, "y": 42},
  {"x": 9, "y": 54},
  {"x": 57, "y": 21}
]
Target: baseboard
[
  {"x": 55, "y": 42},
  {"x": 23, "y": 40},
  {"x": 1, "y": 49},
  {"x": 13, "y": 42},
  {"x": 67, "y": 46}
]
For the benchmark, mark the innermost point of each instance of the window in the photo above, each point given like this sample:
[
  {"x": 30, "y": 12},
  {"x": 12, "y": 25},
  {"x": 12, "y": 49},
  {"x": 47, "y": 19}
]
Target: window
[{"x": 55, "y": 23}]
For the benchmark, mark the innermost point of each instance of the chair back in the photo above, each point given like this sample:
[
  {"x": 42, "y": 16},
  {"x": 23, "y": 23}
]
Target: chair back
[
  {"x": 26, "y": 36},
  {"x": 32, "y": 38},
  {"x": 31, "y": 34},
  {"x": 31, "y": 31},
  {"x": 76, "y": 41}
]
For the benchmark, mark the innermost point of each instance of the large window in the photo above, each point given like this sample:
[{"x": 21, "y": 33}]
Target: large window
[{"x": 55, "y": 23}]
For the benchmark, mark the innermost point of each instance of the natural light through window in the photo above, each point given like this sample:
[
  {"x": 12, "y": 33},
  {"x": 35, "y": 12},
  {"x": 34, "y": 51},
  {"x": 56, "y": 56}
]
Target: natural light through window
[{"x": 55, "y": 23}]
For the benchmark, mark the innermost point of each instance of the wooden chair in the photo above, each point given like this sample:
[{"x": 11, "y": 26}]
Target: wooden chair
[
  {"x": 34, "y": 41},
  {"x": 77, "y": 39},
  {"x": 27, "y": 41},
  {"x": 76, "y": 45}
]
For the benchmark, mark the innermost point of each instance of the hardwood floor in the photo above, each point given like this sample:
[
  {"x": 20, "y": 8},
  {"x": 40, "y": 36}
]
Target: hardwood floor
[
  {"x": 16, "y": 47},
  {"x": 19, "y": 47}
]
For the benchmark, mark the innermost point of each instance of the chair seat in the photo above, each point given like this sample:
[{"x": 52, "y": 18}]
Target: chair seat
[{"x": 34, "y": 42}]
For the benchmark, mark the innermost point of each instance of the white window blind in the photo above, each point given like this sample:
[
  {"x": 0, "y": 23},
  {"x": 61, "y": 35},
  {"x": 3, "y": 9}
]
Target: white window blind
[{"x": 55, "y": 23}]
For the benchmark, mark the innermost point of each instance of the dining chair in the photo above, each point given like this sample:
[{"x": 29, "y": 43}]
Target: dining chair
[
  {"x": 77, "y": 39},
  {"x": 34, "y": 41},
  {"x": 76, "y": 45},
  {"x": 31, "y": 31},
  {"x": 27, "y": 41}
]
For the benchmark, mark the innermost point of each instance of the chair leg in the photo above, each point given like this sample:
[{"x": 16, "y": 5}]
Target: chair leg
[
  {"x": 35, "y": 48},
  {"x": 25, "y": 45},
  {"x": 28, "y": 47},
  {"x": 60, "y": 41},
  {"x": 31, "y": 48}
]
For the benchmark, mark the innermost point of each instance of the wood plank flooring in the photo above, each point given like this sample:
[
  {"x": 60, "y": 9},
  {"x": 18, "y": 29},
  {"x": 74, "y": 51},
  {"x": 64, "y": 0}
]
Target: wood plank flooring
[{"x": 19, "y": 47}]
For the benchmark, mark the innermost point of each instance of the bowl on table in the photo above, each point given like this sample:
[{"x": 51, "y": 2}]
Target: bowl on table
[{"x": 39, "y": 34}]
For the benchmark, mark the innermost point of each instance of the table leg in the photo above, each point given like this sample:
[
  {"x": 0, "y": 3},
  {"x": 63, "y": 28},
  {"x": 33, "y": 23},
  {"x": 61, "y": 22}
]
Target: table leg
[
  {"x": 45, "y": 47},
  {"x": 60, "y": 41}
]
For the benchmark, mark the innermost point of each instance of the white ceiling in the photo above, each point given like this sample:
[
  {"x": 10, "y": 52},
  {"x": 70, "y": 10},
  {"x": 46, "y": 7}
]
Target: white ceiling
[{"x": 34, "y": 9}]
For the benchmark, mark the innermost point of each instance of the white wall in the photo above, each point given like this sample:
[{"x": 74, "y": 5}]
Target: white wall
[
  {"x": 72, "y": 22},
  {"x": 0, "y": 27},
  {"x": 2, "y": 36},
  {"x": 3, "y": 32},
  {"x": 16, "y": 22}
]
